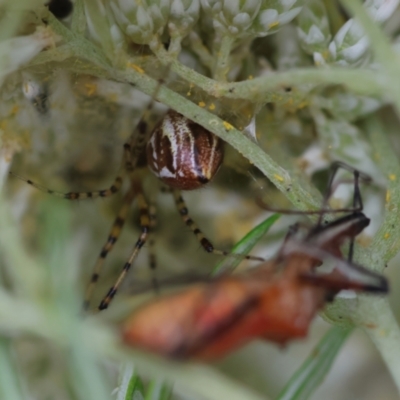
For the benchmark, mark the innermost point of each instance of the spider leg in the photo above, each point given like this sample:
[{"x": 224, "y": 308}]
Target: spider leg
[
  {"x": 136, "y": 143},
  {"x": 205, "y": 243},
  {"x": 133, "y": 150},
  {"x": 108, "y": 246},
  {"x": 116, "y": 185},
  {"x": 151, "y": 241},
  {"x": 144, "y": 226}
]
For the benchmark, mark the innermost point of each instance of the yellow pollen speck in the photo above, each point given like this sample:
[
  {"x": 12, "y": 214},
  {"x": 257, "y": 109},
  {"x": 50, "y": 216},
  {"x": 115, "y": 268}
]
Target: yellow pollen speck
[
  {"x": 278, "y": 177},
  {"x": 227, "y": 125},
  {"x": 386, "y": 236},
  {"x": 273, "y": 24},
  {"x": 211, "y": 106},
  {"x": 250, "y": 77},
  {"x": 14, "y": 110},
  {"x": 392, "y": 177},
  {"x": 202, "y": 104},
  {"x": 388, "y": 196},
  {"x": 90, "y": 88},
  {"x": 136, "y": 68}
]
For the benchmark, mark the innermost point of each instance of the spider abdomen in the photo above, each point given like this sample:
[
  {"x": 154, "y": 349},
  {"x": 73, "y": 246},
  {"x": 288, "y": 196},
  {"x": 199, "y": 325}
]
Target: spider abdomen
[{"x": 182, "y": 153}]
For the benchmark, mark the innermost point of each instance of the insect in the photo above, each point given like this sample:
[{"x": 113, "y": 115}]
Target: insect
[
  {"x": 183, "y": 155},
  {"x": 275, "y": 301}
]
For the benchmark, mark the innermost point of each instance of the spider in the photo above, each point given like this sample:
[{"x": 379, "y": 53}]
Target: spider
[{"x": 183, "y": 155}]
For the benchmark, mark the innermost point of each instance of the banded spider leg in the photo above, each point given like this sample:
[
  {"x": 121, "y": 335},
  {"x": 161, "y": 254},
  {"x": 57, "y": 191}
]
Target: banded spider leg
[{"x": 183, "y": 155}]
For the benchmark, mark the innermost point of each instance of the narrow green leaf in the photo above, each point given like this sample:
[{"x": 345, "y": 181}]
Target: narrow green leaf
[
  {"x": 158, "y": 391},
  {"x": 313, "y": 371},
  {"x": 244, "y": 245},
  {"x": 131, "y": 386},
  {"x": 135, "y": 388}
]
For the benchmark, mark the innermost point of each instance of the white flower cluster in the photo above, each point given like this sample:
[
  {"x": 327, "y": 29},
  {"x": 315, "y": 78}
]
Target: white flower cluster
[
  {"x": 349, "y": 46},
  {"x": 141, "y": 21}
]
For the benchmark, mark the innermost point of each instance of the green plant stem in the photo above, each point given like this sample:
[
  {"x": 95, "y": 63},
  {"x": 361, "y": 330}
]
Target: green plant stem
[
  {"x": 222, "y": 60},
  {"x": 379, "y": 323},
  {"x": 385, "y": 244},
  {"x": 200, "y": 50},
  {"x": 10, "y": 388},
  {"x": 336, "y": 19},
  {"x": 373, "y": 314},
  {"x": 78, "y": 20},
  {"x": 271, "y": 88},
  {"x": 360, "y": 81},
  {"x": 264, "y": 89}
]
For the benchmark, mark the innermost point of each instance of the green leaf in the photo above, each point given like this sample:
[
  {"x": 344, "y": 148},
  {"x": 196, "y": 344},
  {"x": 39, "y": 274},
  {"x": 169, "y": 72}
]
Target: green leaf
[
  {"x": 313, "y": 371},
  {"x": 158, "y": 391},
  {"x": 244, "y": 245},
  {"x": 131, "y": 386}
]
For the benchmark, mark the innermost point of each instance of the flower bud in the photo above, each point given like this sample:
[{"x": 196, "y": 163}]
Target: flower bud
[
  {"x": 349, "y": 46},
  {"x": 141, "y": 21},
  {"x": 102, "y": 27},
  {"x": 381, "y": 10},
  {"x": 184, "y": 14},
  {"x": 313, "y": 27},
  {"x": 273, "y": 14},
  {"x": 232, "y": 17}
]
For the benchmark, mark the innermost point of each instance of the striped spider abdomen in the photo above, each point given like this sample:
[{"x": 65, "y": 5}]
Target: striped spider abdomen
[{"x": 183, "y": 154}]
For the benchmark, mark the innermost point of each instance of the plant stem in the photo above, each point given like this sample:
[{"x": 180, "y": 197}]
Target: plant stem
[
  {"x": 222, "y": 61},
  {"x": 360, "y": 81},
  {"x": 385, "y": 244},
  {"x": 379, "y": 323},
  {"x": 373, "y": 314},
  {"x": 10, "y": 388},
  {"x": 198, "y": 48}
]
